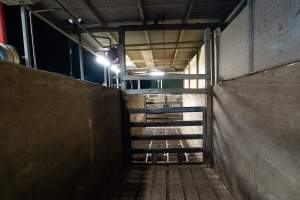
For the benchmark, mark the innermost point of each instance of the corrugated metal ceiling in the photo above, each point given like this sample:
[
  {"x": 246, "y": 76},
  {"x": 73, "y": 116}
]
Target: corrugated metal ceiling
[{"x": 120, "y": 12}]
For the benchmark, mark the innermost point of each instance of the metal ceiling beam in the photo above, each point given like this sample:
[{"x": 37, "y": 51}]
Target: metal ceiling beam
[
  {"x": 93, "y": 10},
  {"x": 99, "y": 18},
  {"x": 148, "y": 27},
  {"x": 165, "y": 43},
  {"x": 163, "y": 48},
  {"x": 58, "y": 29},
  {"x": 160, "y": 60},
  {"x": 236, "y": 11},
  {"x": 147, "y": 37},
  {"x": 76, "y": 22},
  {"x": 184, "y": 21}
]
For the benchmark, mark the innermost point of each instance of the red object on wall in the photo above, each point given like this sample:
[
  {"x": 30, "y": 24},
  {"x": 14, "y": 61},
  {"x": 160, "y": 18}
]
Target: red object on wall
[{"x": 3, "y": 38}]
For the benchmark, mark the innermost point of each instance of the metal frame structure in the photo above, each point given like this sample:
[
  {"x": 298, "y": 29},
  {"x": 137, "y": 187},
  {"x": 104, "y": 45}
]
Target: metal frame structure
[
  {"x": 26, "y": 40},
  {"x": 210, "y": 77}
]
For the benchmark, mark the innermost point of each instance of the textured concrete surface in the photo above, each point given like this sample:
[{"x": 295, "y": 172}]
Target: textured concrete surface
[
  {"x": 275, "y": 41},
  {"x": 234, "y": 47},
  {"x": 171, "y": 183},
  {"x": 257, "y": 134},
  {"x": 276, "y": 32},
  {"x": 58, "y": 136}
]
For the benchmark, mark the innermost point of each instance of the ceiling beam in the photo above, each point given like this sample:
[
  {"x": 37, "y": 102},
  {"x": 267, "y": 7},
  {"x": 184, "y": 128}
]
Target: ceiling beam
[
  {"x": 165, "y": 43},
  {"x": 78, "y": 23},
  {"x": 148, "y": 27},
  {"x": 184, "y": 21},
  {"x": 99, "y": 19},
  {"x": 163, "y": 48},
  {"x": 147, "y": 37}
]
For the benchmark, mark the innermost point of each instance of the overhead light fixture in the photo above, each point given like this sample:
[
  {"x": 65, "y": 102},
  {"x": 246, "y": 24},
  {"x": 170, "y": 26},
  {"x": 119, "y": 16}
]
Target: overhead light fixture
[
  {"x": 157, "y": 73},
  {"x": 71, "y": 21},
  {"x": 103, "y": 60}
]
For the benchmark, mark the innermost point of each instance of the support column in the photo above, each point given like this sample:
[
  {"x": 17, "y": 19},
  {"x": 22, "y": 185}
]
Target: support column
[
  {"x": 122, "y": 58},
  {"x": 26, "y": 42},
  {"x": 208, "y": 84},
  {"x": 105, "y": 76},
  {"x": 32, "y": 41},
  {"x": 109, "y": 76},
  {"x": 80, "y": 57},
  {"x": 217, "y": 33},
  {"x": 139, "y": 84},
  {"x": 3, "y": 38}
]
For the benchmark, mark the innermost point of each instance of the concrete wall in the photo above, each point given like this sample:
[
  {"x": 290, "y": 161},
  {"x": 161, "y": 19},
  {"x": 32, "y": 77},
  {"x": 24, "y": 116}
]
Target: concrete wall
[
  {"x": 257, "y": 134},
  {"x": 264, "y": 35},
  {"x": 58, "y": 136},
  {"x": 234, "y": 48},
  {"x": 256, "y": 118}
]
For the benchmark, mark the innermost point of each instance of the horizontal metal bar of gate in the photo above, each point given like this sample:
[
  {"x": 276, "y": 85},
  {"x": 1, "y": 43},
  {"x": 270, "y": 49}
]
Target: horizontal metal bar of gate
[
  {"x": 166, "y": 110},
  {"x": 163, "y": 163},
  {"x": 166, "y": 77},
  {"x": 168, "y": 150},
  {"x": 167, "y": 137},
  {"x": 167, "y": 91},
  {"x": 168, "y": 123}
]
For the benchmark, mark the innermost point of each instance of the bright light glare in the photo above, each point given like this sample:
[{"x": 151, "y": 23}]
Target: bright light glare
[
  {"x": 115, "y": 69},
  {"x": 103, "y": 60},
  {"x": 157, "y": 73}
]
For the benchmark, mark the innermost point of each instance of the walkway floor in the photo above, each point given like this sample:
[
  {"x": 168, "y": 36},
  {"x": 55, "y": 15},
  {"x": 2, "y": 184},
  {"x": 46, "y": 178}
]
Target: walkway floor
[{"x": 177, "y": 182}]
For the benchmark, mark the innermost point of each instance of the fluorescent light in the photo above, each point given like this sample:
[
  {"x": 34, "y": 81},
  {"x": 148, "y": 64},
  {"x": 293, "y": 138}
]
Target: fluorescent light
[
  {"x": 115, "y": 69},
  {"x": 157, "y": 73},
  {"x": 103, "y": 60}
]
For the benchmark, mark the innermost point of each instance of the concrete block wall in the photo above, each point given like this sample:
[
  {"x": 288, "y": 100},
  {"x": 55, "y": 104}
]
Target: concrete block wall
[
  {"x": 257, "y": 134},
  {"x": 59, "y": 137},
  {"x": 234, "y": 48},
  {"x": 262, "y": 36},
  {"x": 256, "y": 109}
]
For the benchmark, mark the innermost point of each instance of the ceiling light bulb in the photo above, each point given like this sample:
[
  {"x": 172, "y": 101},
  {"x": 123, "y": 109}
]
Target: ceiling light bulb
[{"x": 103, "y": 60}]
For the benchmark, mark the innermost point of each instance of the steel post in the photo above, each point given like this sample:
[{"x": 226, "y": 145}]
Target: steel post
[{"x": 25, "y": 32}]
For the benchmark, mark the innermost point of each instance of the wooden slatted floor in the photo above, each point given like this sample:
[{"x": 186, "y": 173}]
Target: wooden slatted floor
[{"x": 178, "y": 182}]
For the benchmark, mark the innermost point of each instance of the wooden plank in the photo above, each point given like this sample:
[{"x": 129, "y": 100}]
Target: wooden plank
[
  {"x": 166, "y": 77},
  {"x": 167, "y": 137},
  {"x": 168, "y": 123},
  {"x": 168, "y": 150},
  {"x": 167, "y": 91},
  {"x": 166, "y": 110}
]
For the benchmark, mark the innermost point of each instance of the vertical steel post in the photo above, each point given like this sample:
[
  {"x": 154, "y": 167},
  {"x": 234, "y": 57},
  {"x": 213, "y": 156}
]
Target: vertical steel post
[
  {"x": 208, "y": 85},
  {"x": 109, "y": 76},
  {"x": 105, "y": 76},
  {"x": 122, "y": 58},
  {"x": 70, "y": 57},
  {"x": 117, "y": 80},
  {"x": 32, "y": 41},
  {"x": 139, "y": 84},
  {"x": 25, "y": 32},
  {"x": 217, "y": 33},
  {"x": 80, "y": 57}
]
